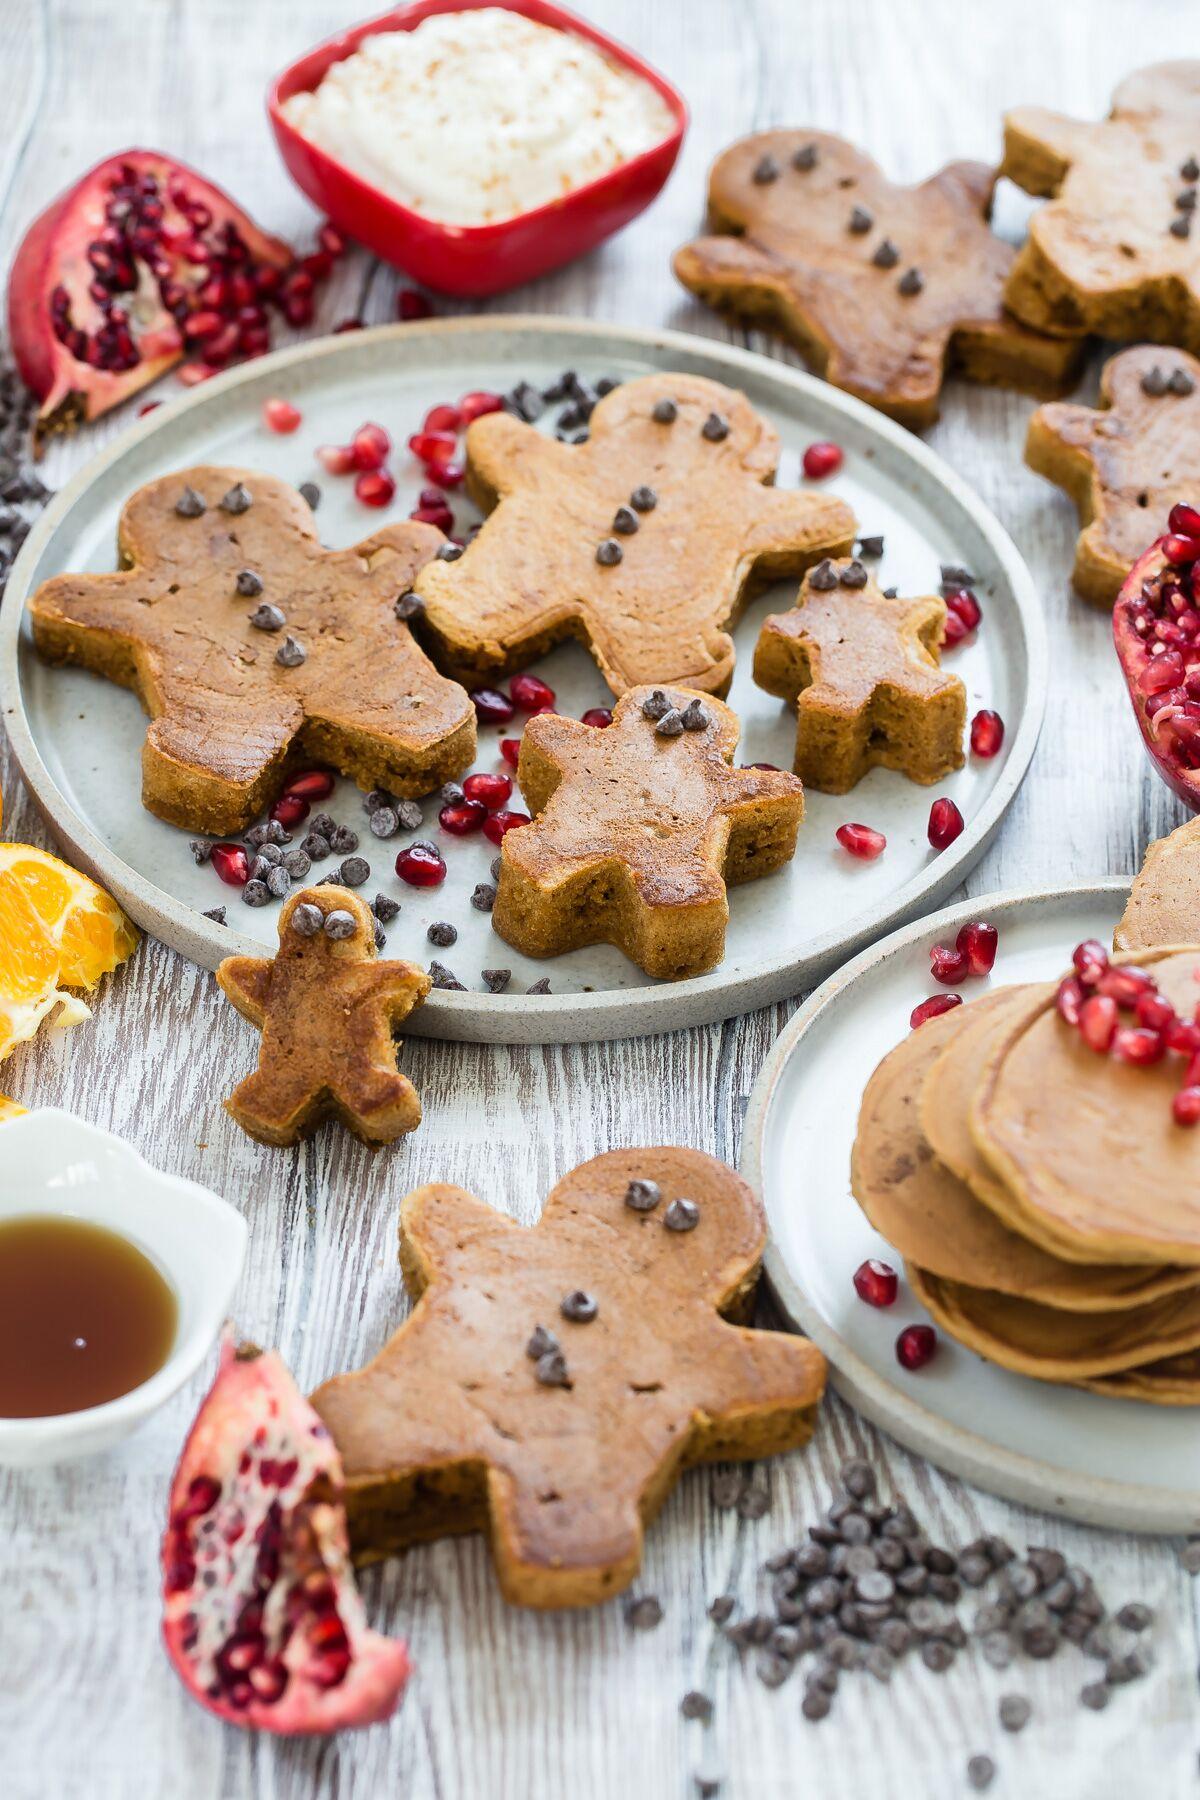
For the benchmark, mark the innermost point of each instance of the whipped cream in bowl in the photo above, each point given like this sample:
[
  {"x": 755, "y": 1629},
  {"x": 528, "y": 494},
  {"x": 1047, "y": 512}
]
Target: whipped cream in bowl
[{"x": 475, "y": 117}]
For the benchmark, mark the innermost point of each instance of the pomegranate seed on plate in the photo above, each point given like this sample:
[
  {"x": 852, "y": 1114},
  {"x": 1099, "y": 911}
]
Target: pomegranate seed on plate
[
  {"x": 598, "y": 716},
  {"x": 441, "y": 516},
  {"x": 421, "y": 865},
  {"x": 370, "y": 446},
  {"x": 916, "y": 1345},
  {"x": 932, "y": 1008},
  {"x": 1186, "y": 1106},
  {"x": 510, "y": 749},
  {"x": 446, "y": 474},
  {"x": 1098, "y": 1023},
  {"x": 375, "y": 488},
  {"x": 290, "y": 809},
  {"x": 231, "y": 863},
  {"x": 964, "y": 604},
  {"x": 412, "y": 304},
  {"x": 1134, "y": 1044},
  {"x": 429, "y": 446},
  {"x": 191, "y": 373},
  {"x": 148, "y": 406},
  {"x": 945, "y": 823},
  {"x": 954, "y": 631},
  {"x": 1090, "y": 960},
  {"x": 351, "y": 324},
  {"x": 1154, "y": 1012},
  {"x": 461, "y": 817},
  {"x": 862, "y": 841},
  {"x": 978, "y": 942},
  {"x": 336, "y": 459},
  {"x": 987, "y": 733},
  {"x": 310, "y": 784},
  {"x": 497, "y": 826},
  {"x": 489, "y": 790},
  {"x": 475, "y": 404},
  {"x": 442, "y": 418},
  {"x": 530, "y": 693},
  {"x": 1070, "y": 998},
  {"x": 281, "y": 416},
  {"x": 821, "y": 460},
  {"x": 491, "y": 706},
  {"x": 876, "y": 1282},
  {"x": 947, "y": 965}
]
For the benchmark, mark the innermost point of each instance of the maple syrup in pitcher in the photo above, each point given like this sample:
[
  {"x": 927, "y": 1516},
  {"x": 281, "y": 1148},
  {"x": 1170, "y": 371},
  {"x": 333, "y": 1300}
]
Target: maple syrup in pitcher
[{"x": 85, "y": 1316}]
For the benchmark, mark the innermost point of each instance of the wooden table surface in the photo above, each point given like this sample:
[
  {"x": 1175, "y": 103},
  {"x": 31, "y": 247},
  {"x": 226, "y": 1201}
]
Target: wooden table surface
[{"x": 507, "y": 1703}]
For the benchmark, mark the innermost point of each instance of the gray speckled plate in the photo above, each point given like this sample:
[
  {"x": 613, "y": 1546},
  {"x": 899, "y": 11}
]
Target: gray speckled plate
[
  {"x": 1090, "y": 1457},
  {"x": 78, "y": 738}
]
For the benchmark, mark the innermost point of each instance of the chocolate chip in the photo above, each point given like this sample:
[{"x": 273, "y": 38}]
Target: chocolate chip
[
  {"x": 578, "y": 1306},
  {"x": 342, "y": 840},
  {"x": 911, "y": 282},
  {"x": 308, "y": 920},
  {"x": 525, "y": 402},
  {"x": 981, "y": 1772},
  {"x": 256, "y": 893},
  {"x": 642, "y": 1196},
  {"x": 955, "y": 576},
  {"x": 1014, "y": 1711},
  {"x": 886, "y": 254},
  {"x": 664, "y": 412},
  {"x": 643, "y": 1612},
  {"x": 643, "y": 499},
  {"x": 854, "y": 575},
  {"x": 494, "y": 868},
  {"x": 541, "y": 1342},
  {"x": 290, "y": 654},
  {"x": 1095, "y": 1695},
  {"x": 1181, "y": 225},
  {"x": 442, "y": 933},
  {"x": 354, "y": 871},
  {"x": 815, "y": 1704},
  {"x": 682, "y": 1215},
  {"x": 1190, "y": 170},
  {"x": 823, "y": 577},
  {"x": 449, "y": 552},
  {"x": 875, "y": 1586},
  {"x": 696, "y": 1705},
  {"x": 539, "y": 987},
  {"x": 551, "y": 1369},
  {"x": 409, "y": 606},
  {"x": 805, "y": 157},
  {"x": 200, "y": 852},
  {"x": 249, "y": 585},
  {"x": 409, "y": 814},
  {"x": 308, "y": 490},
  {"x": 189, "y": 504},
  {"x": 279, "y": 882},
  {"x": 385, "y": 908},
  {"x": 340, "y": 924},
  {"x": 870, "y": 546},
  {"x": 1181, "y": 382},
  {"x": 1186, "y": 201},
  {"x": 1134, "y": 1616},
  {"x": 766, "y": 170},
  {"x": 483, "y": 896},
  {"x": 496, "y": 980},
  {"x": 316, "y": 846},
  {"x": 445, "y": 978},
  {"x": 1154, "y": 382},
  {"x": 708, "y": 1786},
  {"x": 861, "y": 221},
  {"x": 216, "y": 914},
  {"x": 239, "y": 499},
  {"x": 724, "y": 1606},
  {"x": 695, "y": 716},
  {"x": 625, "y": 520},
  {"x": 1189, "y": 1556},
  {"x": 772, "y": 1670},
  {"x": 298, "y": 864},
  {"x": 383, "y": 822},
  {"x": 608, "y": 552},
  {"x": 380, "y": 937},
  {"x": 715, "y": 428},
  {"x": 656, "y": 705}
]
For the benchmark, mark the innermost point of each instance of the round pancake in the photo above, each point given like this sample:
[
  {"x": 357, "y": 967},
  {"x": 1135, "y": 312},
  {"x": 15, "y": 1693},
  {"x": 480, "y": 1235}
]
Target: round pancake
[
  {"x": 1164, "y": 902},
  {"x": 1052, "y": 1345},
  {"x": 1173, "y": 1381},
  {"x": 1086, "y": 1146},
  {"x": 933, "y": 1219}
]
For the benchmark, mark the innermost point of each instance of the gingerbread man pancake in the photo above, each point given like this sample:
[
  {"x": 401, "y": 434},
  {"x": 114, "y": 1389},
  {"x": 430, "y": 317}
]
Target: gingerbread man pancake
[
  {"x": 327, "y": 1008},
  {"x": 885, "y": 289},
  {"x": 644, "y": 542},
  {"x": 639, "y": 828},
  {"x": 551, "y": 1383},
  {"x": 249, "y": 645}
]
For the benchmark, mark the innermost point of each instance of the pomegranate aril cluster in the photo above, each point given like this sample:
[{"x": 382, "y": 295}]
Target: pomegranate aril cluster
[
  {"x": 1165, "y": 615},
  {"x": 1119, "y": 1012},
  {"x": 973, "y": 954}
]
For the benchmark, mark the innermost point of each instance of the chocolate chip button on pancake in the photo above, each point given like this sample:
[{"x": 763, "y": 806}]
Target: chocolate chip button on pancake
[
  {"x": 1052, "y": 1345},
  {"x": 1164, "y": 902},
  {"x": 1086, "y": 1145},
  {"x": 931, "y": 1217},
  {"x": 1172, "y": 1381}
]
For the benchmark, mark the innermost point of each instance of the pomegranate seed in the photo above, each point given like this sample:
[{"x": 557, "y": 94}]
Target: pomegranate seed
[
  {"x": 932, "y": 1008},
  {"x": 979, "y": 943},
  {"x": 191, "y": 373},
  {"x": 310, "y": 784},
  {"x": 1098, "y": 1023},
  {"x": 351, "y": 324},
  {"x": 1184, "y": 520},
  {"x": 964, "y": 604},
  {"x": 1154, "y": 1012},
  {"x": 497, "y": 826},
  {"x": 987, "y": 733},
  {"x": 442, "y": 418},
  {"x": 530, "y": 693},
  {"x": 375, "y": 488},
  {"x": 430, "y": 446},
  {"x": 281, "y": 416},
  {"x": 510, "y": 750},
  {"x": 1179, "y": 549},
  {"x": 370, "y": 446},
  {"x": 1182, "y": 1035},
  {"x": 441, "y": 516},
  {"x": 1186, "y": 1106},
  {"x": 598, "y": 716},
  {"x": 876, "y": 1282},
  {"x": 1090, "y": 959},
  {"x": 821, "y": 460},
  {"x": 1162, "y": 672},
  {"x": 331, "y": 240},
  {"x": 231, "y": 863},
  {"x": 421, "y": 865},
  {"x": 411, "y": 304},
  {"x": 1125, "y": 986},
  {"x": 480, "y": 401},
  {"x": 204, "y": 325},
  {"x": 491, "y": 706},
  {"x": 945, "y": 823},
  {"x": 773, "y": 768},
  {"x": 953, "y": 631},
  {"x": 948, "y": 966},
  {"x": 1134, "y": 1044},
  {"x": 916, "y": 1345},
  {"x": 148, "y": 406},
  {"x": 462, "y": 817},
  {"x": 1070, "y": 998},
  {"x": 489, "y": 790},
  {"x": 446, "y": 474},
  {"x": 336, "y": 459},
  {"x": 862, "y": 841},
  {"x": 290, "y": 809}
]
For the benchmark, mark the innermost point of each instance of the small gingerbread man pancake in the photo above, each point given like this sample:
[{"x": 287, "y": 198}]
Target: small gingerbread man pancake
[
  {"x": 1126, "y": 464},
  {"x": 640, "y": 826},
  {"x": 551, "y": 1383},
  {"x": 327, "y": 1008},
  {"x": 863, "y": 671},
  {"x": 645, "y": 541},
  {"x": 248, "y": 643},
  {"x": 885, "y": 289},
  {"x": 1117, "y": 250}
]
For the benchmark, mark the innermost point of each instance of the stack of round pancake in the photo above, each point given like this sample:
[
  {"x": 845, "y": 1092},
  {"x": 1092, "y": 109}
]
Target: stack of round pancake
[{"x": 1045, "y": 1202}]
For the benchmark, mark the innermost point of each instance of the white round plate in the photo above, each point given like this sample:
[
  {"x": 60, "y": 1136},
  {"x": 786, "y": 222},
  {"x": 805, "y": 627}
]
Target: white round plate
[
  {"x": 78, "y": 739},
  {"x": 1102, "y": 1461}
]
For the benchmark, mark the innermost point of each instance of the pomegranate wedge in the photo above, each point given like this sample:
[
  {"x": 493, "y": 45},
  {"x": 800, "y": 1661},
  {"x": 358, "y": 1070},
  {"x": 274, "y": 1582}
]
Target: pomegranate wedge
[{"x": 1156, "y": 630}]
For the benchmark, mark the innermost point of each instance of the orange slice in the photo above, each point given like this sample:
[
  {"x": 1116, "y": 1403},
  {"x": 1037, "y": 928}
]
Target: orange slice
[
  {"x": 87, "y": 930},
  {"x": 9, "y": 1109}
]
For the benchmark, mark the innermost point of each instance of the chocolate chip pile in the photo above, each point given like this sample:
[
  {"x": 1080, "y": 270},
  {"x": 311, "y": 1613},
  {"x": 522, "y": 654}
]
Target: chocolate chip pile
[
  {"x": 867, "y": 1588},
  {"x": 21, "y": 493}
]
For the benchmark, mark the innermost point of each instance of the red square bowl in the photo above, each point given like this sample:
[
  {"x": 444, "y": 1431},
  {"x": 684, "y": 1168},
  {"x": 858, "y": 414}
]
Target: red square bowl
[{"x": 473, "y": 260}]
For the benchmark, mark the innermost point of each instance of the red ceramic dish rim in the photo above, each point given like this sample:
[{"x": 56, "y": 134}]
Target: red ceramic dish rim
[{"x": 307, "y": 71}]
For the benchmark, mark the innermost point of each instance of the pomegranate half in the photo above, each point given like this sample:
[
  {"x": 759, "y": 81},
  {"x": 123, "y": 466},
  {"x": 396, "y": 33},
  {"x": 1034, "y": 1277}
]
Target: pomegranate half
[
  {"x": 1156, "y": 630},
  {"x": 139, "y": 264},
  {"x": 261, "y": 1616}
]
